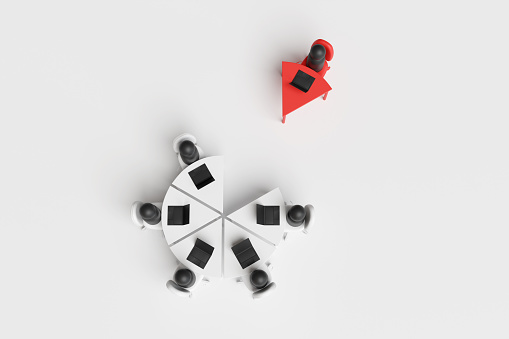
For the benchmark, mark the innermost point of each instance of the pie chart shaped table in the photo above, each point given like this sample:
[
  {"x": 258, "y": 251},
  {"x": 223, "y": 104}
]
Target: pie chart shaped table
[{"x": 208, "y": 222}]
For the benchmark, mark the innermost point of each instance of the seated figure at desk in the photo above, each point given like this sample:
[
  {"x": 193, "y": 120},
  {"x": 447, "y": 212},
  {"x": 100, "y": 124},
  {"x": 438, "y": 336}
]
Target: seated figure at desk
[
  {"x": 316, "y": 58},
  {"x": 259, "y": 282},
  {"x": 187, "y": 150},
  {"x": 184, "y": 282},
  {"x": 147, "y": 215},
  {"x": 321, "y": 52},
  {"x": 296, "y": 215},
  {"x": 300, "y": 218}
]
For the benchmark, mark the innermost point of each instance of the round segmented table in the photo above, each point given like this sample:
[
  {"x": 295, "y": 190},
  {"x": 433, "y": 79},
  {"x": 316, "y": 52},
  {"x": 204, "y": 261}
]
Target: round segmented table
[{"x": 201, "y": 235}]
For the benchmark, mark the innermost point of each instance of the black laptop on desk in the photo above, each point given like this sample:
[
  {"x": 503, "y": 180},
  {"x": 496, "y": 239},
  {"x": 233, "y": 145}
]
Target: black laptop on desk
[
  {"x": 267, "y": 215},
  {"x": 201, "y": 176},
  {"x": 302, "y": 81},
  {"x": 178, "y": 215},
  {"x": 200, "y": 254},
  {"x": 245, "y": 253}
]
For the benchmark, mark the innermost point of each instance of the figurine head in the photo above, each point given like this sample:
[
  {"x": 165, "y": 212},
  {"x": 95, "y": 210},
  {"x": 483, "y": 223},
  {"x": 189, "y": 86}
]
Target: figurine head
[
  {"x": 184, "y": 278},
  {"x": 296, "y": 215},
  {"x": 188, "y": 152},
  {"x": 317, "y": 52},
  {"x": 259, "y": 279},
  {"x": 150, "y": 214}
]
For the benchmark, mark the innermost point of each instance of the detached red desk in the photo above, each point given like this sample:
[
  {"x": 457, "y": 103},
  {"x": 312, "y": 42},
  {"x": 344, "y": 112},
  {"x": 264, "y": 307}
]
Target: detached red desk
[{"x": 294, "y": 98}]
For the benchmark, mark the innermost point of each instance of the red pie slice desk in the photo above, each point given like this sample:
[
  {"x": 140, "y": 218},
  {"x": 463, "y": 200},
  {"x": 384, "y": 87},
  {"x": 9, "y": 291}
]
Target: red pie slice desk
[{"x": 294, "y": 98}]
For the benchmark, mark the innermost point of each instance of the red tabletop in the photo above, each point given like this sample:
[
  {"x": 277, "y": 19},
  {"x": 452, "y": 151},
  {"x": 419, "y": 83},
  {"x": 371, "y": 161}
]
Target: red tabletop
[{"x": 294, "y": 98}]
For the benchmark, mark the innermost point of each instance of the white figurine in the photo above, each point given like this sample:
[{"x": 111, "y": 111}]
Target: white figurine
[
  {"x": 259, "y": 281},
  {"x": 187, "y": 150}
]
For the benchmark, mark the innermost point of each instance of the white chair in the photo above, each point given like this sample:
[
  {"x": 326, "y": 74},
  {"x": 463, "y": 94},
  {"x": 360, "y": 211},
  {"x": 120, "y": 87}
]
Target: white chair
[
  {"x": 183, "y": 291},
  {"x": 138, "y": 220},
  {"x": 310, "y": 218},
  {"x": 176, "y": 146},
  {"x": 263, "y": 292},
  {"x": 180, "y": 291}
]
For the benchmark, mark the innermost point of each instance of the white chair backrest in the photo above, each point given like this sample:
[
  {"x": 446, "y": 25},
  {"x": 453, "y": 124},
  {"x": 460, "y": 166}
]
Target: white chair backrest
[
  {"x": 158, "y": 227},
  {"x": 310, "y": 218},
  {"x": 180, "y": 291},
  {"x": 135, "y": 213},
  {"x": 265, "y": 291}
]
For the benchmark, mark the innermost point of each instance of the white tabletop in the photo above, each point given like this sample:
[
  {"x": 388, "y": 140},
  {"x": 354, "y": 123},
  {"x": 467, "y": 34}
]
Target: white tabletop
[{"x": 246, "y": 217}]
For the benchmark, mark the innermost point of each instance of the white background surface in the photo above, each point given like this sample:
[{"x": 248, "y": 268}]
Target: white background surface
[{"x": 406, "y": 163}]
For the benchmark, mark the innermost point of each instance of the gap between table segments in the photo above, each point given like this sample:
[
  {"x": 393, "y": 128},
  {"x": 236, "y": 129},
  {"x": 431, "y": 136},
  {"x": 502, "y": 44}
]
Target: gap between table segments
[
  {"x": 222, "y": 249},
  {"x": 248, "y": 230},
  {"x": 196, "y": 230},
  {"x": 192, "y": 197},
  {"x": 222, "y": 227}
]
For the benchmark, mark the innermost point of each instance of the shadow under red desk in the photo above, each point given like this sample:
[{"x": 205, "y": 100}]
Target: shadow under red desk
[{"x": 294, "y": 98}]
